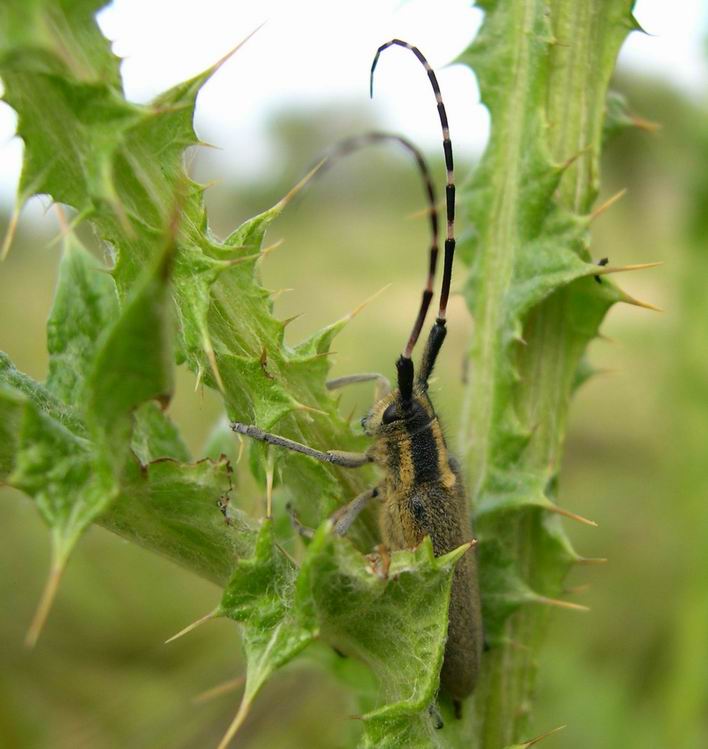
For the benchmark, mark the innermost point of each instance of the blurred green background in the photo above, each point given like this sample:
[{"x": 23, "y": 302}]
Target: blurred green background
[{"x": 631, "y": 673}]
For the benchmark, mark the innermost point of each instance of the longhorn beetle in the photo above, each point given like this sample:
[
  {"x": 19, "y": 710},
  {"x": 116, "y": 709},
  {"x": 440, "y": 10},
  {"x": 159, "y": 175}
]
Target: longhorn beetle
[{"x": 422, "y": 490}]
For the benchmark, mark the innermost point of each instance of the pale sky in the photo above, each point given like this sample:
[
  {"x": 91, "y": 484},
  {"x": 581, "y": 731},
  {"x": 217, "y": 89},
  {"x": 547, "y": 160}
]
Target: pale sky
[{"x": 318, "y": 52}]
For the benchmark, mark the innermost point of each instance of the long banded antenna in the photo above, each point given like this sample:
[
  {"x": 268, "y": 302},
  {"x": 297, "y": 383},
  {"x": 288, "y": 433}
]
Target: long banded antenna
[{"x": 437, "y": 334}]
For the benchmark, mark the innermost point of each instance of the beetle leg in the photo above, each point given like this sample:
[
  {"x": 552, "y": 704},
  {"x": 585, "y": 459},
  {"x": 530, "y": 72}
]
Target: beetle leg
[
  {"x": 302, "y": 530},
  {"x": 346, "y": 515},
  {"x": 383, "y": 386},
  {"x": 336, "y": 457},
  {"x": 435, "y": 716},
  {"x": 343, "y": 517}
]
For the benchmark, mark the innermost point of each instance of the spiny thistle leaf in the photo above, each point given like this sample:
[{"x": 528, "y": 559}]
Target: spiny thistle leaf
[
  {"x": 73, "y": 481},
  {"x": 393, "y": 617},
  {"x": 390, "y": 614},
  {"x": 47, "y": 453},
  {"x": 173, "y": 508},
  {"x": 85, "y": 302},
  {"x": 120, "y": 167},
  {"x": 133, "y": 364},
  {"x": 261, "y": 596},
  {"x": 225, "y": 319}
]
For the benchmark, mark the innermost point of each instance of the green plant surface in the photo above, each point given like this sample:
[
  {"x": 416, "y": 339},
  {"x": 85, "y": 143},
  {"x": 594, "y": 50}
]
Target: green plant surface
[{"x": 543, "y": 71}]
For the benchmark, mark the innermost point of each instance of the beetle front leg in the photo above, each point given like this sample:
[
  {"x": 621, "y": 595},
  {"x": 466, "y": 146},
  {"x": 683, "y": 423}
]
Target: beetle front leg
[{"x": 335, "y": 457}]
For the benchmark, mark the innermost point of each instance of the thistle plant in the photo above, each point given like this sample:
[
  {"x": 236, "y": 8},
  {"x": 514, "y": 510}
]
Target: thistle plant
[{"x": 94, "y": 442}]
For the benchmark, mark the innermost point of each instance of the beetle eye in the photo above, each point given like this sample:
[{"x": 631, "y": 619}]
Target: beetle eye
[{"x": 390, "y": 414}]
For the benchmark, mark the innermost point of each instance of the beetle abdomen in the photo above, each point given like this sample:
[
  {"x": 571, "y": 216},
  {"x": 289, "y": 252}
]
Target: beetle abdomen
[{"x": 437, "y": 511}]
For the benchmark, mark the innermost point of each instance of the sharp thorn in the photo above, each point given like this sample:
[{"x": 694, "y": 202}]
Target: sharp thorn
[
  {"x": 217, "y": 691},
  {"x": 236, "y": 723},
  {"x": 235, "y": 49},
  {"x": 10, "y": 233},
  {"x": 310, "y": 409},
  {"x": 271, "y": 247},
  {"x": 211, "y": 357},
  {"x": 590, "y": 560},
  {"x": 577, "y": 589},
  {"x": 567, "y": 514},
  {"x": 241, "y": 448},
  {"x": 211, "y": 182},
  {"x": 605, "y": 371},
  {"x": 211, "y": 615},
  {"x": 296, "y": 189},
  {"x": 366, "y": 302},
  {"x": 420, "y": 213},
  {"x": 68, "y": 228},
  {"x": 242, "y": 259},
  {"x": 288, "y": 320},
  {"x": 278, "y": 292},
  {"x": 423, "y": 212},
  {"x": 61, "y": 219},
  {"x": 560, "y": 604},
  {"x": 543, "y": 736},
  {"x": 572, "y": 159},
  {"x": 605, "y": 270},
  {"x": 45, "y": 604},
  {"x": 643, "y": 124},
  {"x": 607, "y": 204},
  {"x": 627, "y": 299},
  {"x": 253, "y": 256}
]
